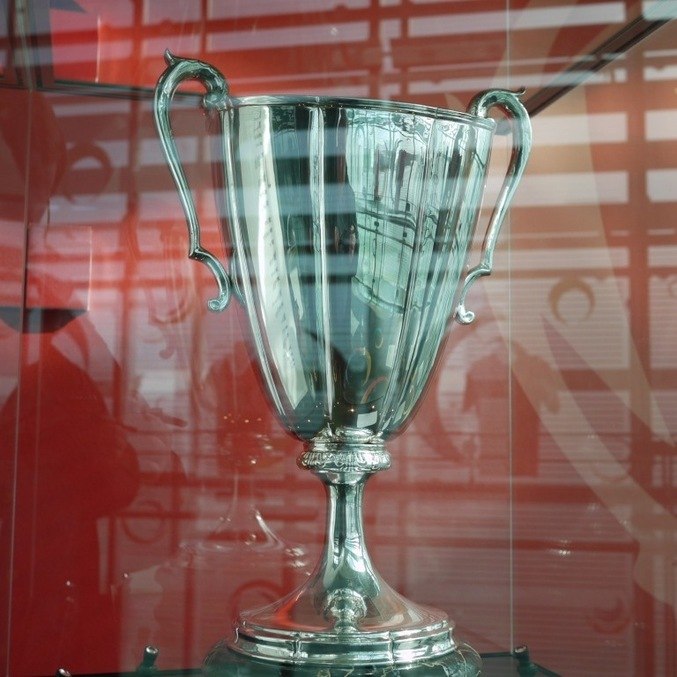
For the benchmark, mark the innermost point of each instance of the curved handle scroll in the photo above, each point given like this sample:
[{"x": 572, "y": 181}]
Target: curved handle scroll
[
  {"x": 509, "y": 102},
  {"x": 177, "y": 71}
]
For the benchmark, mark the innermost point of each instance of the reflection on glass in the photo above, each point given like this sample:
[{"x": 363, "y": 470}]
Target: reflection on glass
[
  {"x": 592, "y": 256},
  {"x": 83, "y": 469}
]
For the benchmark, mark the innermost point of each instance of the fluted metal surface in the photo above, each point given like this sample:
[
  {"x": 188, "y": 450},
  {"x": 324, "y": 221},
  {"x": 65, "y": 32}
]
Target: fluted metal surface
[{"x": 350, "y": 224}]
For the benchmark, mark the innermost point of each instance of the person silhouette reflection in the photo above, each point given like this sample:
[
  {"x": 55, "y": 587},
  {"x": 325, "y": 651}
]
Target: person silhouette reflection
[{"x": 74, "y": 465}]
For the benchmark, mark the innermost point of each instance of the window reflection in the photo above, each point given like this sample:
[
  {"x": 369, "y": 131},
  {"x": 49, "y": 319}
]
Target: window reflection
[{"x": 541, "y": 467}]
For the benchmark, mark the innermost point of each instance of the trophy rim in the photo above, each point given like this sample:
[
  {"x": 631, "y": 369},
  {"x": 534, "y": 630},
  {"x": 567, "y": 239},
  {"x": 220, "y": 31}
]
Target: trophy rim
[{"x": 324, "y": 102}]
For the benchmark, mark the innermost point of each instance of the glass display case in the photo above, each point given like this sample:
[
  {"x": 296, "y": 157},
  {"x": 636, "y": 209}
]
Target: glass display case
[{"x": 150, "y": 493}]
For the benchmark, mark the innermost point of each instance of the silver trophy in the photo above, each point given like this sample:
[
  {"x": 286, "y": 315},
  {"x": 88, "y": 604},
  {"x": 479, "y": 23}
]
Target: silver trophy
[{"x": 350, "y": 222}]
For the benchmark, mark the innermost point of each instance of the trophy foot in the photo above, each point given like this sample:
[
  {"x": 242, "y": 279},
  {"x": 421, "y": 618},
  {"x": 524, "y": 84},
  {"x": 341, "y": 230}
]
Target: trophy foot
[
  {"x": 344, "y": 628},
  {"x": 222, "y": 661}
]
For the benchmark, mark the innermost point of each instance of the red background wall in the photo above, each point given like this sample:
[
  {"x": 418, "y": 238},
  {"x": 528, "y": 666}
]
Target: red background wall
[{"x": 143, "y": 473}]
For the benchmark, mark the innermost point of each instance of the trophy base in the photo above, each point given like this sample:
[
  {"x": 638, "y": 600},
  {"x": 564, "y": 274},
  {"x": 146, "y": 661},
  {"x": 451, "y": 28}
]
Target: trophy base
[
  {"x": 222, "y": 661},
  {"x": 346, "y": 617},
  {"x": 382, "y": 629}
]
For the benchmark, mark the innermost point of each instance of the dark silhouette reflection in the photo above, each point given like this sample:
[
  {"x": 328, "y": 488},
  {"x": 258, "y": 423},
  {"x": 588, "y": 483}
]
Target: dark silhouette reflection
[
  {"x": 74, "y": 466},
  {"x": 63, "y": 462},
  {"x": 530, "y": 384},
  {"x": 32, "y": 142}
]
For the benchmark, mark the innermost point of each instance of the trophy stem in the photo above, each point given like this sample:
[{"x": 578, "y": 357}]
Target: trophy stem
[
  {"x": 345, "y": 576},
  {"x": 346, "y": 615},
  {"x": 345, "y": 563}
]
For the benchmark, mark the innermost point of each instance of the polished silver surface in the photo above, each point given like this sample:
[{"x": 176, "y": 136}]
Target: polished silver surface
[{"x": 350, "y": 222}]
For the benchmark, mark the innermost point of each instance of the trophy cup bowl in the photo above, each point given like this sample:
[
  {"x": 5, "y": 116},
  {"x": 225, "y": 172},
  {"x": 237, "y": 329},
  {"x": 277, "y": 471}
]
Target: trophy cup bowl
[{"x": 350, "y": 222}]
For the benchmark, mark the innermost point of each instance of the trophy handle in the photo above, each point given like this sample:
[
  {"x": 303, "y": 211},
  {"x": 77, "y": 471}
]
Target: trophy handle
[
  {"x": 177, "y": 71},
  {"x": 509, "y": 102}
]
